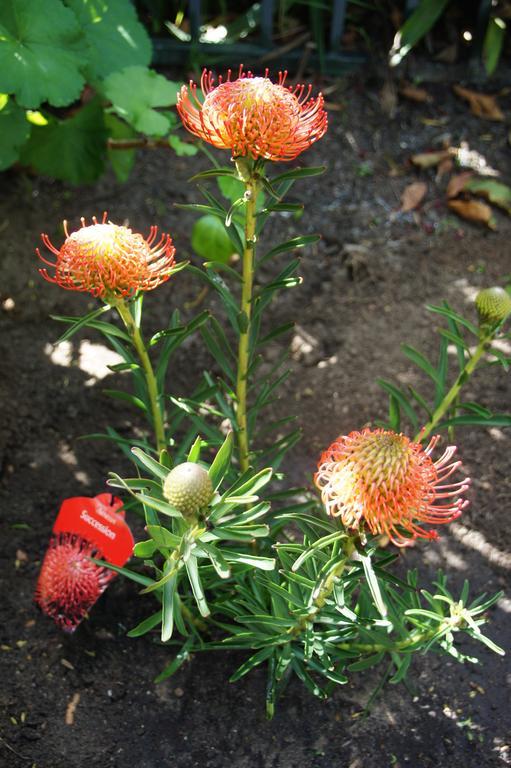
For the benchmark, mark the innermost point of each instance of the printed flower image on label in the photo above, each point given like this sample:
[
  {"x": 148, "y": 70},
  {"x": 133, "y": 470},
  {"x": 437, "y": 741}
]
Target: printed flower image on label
[{"x": 69, "y": 581}]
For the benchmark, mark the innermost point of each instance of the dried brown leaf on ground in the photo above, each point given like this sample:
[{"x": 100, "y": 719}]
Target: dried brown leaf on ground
[
  {"x": 71, "y": 709},
  {"x": 482, "y": 105},
  {"x": 413, "y": 195},
  {"x": 414, "y": 93},
  {"x": 430, "y": 159},
  {"x": 444, "y": 167},
  {"x": 388, "y": 98},
  {"x": 473, "y": 210},
  {"x": 494, "y": 191},
  {"x": 457, "y": 183}
]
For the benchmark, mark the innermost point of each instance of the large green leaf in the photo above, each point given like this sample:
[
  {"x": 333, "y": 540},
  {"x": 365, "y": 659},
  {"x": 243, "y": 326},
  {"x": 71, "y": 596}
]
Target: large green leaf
[
  {"x": 114, "y": 35},
  {"x": 14, "y": 131},
  {"x": 42, "y": 52},
  {"x": 135, "y": 91},
  {"x": 72, "y": 150}
]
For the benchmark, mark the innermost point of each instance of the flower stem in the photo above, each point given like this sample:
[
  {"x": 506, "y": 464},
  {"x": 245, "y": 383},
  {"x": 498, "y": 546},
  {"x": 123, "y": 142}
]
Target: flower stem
[
  {"x": 454, "y": 391},
  {"x": 326, "y": 589},
  {"x": 251, "y": 186},
  {"x": 152, "y": 387}
]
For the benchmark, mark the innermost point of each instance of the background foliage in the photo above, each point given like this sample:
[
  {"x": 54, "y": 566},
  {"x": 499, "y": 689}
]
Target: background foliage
[{"x": 75, "y": 83}]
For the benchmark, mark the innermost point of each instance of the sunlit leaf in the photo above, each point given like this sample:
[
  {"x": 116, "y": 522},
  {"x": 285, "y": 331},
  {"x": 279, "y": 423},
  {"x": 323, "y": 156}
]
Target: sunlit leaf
[
  {"x": 115, "y": 37},
  {"x": 135, "y": 92},
  {"x": 42, "y": 52}
]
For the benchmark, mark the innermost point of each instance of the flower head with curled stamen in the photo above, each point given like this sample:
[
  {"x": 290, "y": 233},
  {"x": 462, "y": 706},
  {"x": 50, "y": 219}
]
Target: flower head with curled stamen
[
  {"x": 383, "y": 480},
  {"x": 70, "y": 583},
  {"x": 109, "y": 261},
  {"x": 252, "y": 116}
]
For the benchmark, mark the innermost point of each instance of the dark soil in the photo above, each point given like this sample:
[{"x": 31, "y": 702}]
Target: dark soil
[{"x": 365, "y": 290}]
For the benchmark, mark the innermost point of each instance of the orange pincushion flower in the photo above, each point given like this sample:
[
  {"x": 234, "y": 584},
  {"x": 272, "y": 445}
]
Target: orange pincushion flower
[
  {"x": 108, "y": 260},
  {"x": 254, "y": 116},
  {"x": 382, "y": 479},
  {"x": 70, "y": 583}
]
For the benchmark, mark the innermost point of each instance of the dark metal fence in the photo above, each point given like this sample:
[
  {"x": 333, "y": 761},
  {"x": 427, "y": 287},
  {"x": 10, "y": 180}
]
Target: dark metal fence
[
  {"x": 328, "y": 56},
  {"x": 314, "y": 49}
]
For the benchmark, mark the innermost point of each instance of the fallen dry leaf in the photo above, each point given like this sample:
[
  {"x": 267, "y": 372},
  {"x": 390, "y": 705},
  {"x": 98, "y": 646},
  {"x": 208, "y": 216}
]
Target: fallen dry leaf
[
  {"x": 457, "y": 183},
  {"x": 444, "y": 167},
  {"x": 494, "y": 191},
  {"x": 388, "y": 98},
  {"x": 413, "y": 93},
  {"x": 430, "y": 159},
  {"x": 473, "y": 210},
  {"x": 71, "y": 708},
  {"x": 481, "y": 104},
  {"x": 413, "y": 195}
]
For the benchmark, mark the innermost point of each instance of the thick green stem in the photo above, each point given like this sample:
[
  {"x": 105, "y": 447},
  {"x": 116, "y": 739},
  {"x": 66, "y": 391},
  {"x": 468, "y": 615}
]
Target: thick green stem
[
  {"x": 325, "y": 591},
  {"x": 454, "y": 391},
  {"x": 400, "y": 645},
  {"x": 152, "y": 387},
  {"x": 245, "y": 323}
]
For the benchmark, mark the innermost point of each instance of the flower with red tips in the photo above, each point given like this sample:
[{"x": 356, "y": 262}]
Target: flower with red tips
[
  {"x": 252, "y": 116},
  {"x": 109, "y": 261},
  {"x": 383, "y": 480},
  {"x": 69, "y": 582}
]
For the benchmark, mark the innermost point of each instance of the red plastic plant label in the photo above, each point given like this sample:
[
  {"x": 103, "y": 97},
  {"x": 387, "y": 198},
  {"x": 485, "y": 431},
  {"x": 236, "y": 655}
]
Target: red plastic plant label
[{"x": 69, "y": 582}]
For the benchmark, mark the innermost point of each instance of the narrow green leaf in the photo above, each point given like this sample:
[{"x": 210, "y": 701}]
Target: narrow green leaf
[
  {"x": 132, "y": 575},
  {"x": 217, "y": 559},
  {"x": 290, "y": 245},
  {"x": 394, "y": 414},
  {"x": 252, "y": 662},
  {"x": 421, "y": 361},
  {"x": 251, "y": 486},
  {"x": 374, "y": 586},
  {"x": 145, "y": 549},
  {"x": 194, "y": 452},
  {"x": 192, "y": 569},
  {"x": 77, "y": 323},
  {"x": 401, "y": 399},
  {"x": 167, "y": 602},
  {"x": 146, "y": 625},
  {"x": 367, "y": 663},
  {"x": 154, "y": 467},
  {"x": 221, "y": 462},
  {"x": 299, "y": 173},
  {"x": 119, "y": 395},
  {"x": 177, "y": 662},
  {"x": 472, "y": 420},
  {"x": 265, "y": 563},
  {"x": 450, "y": 313},
  {"x": 163, "y": 537},
  {"x": 213, "y": 173}
]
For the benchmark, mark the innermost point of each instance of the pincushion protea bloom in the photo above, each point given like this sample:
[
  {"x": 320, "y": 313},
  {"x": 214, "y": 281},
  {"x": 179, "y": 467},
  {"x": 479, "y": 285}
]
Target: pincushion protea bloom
[
  {"x": 108, "y": 260},
  {"x": 70, "y": 583},
  {"x": 391, "y": 484},
  {"x": 253, "y": 116}
]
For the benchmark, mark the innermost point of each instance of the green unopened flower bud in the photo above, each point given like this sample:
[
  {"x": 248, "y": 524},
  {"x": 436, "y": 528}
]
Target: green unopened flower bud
[
  {"x": 493, "y": 305},
  {"x": 188, "y": 488}
]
